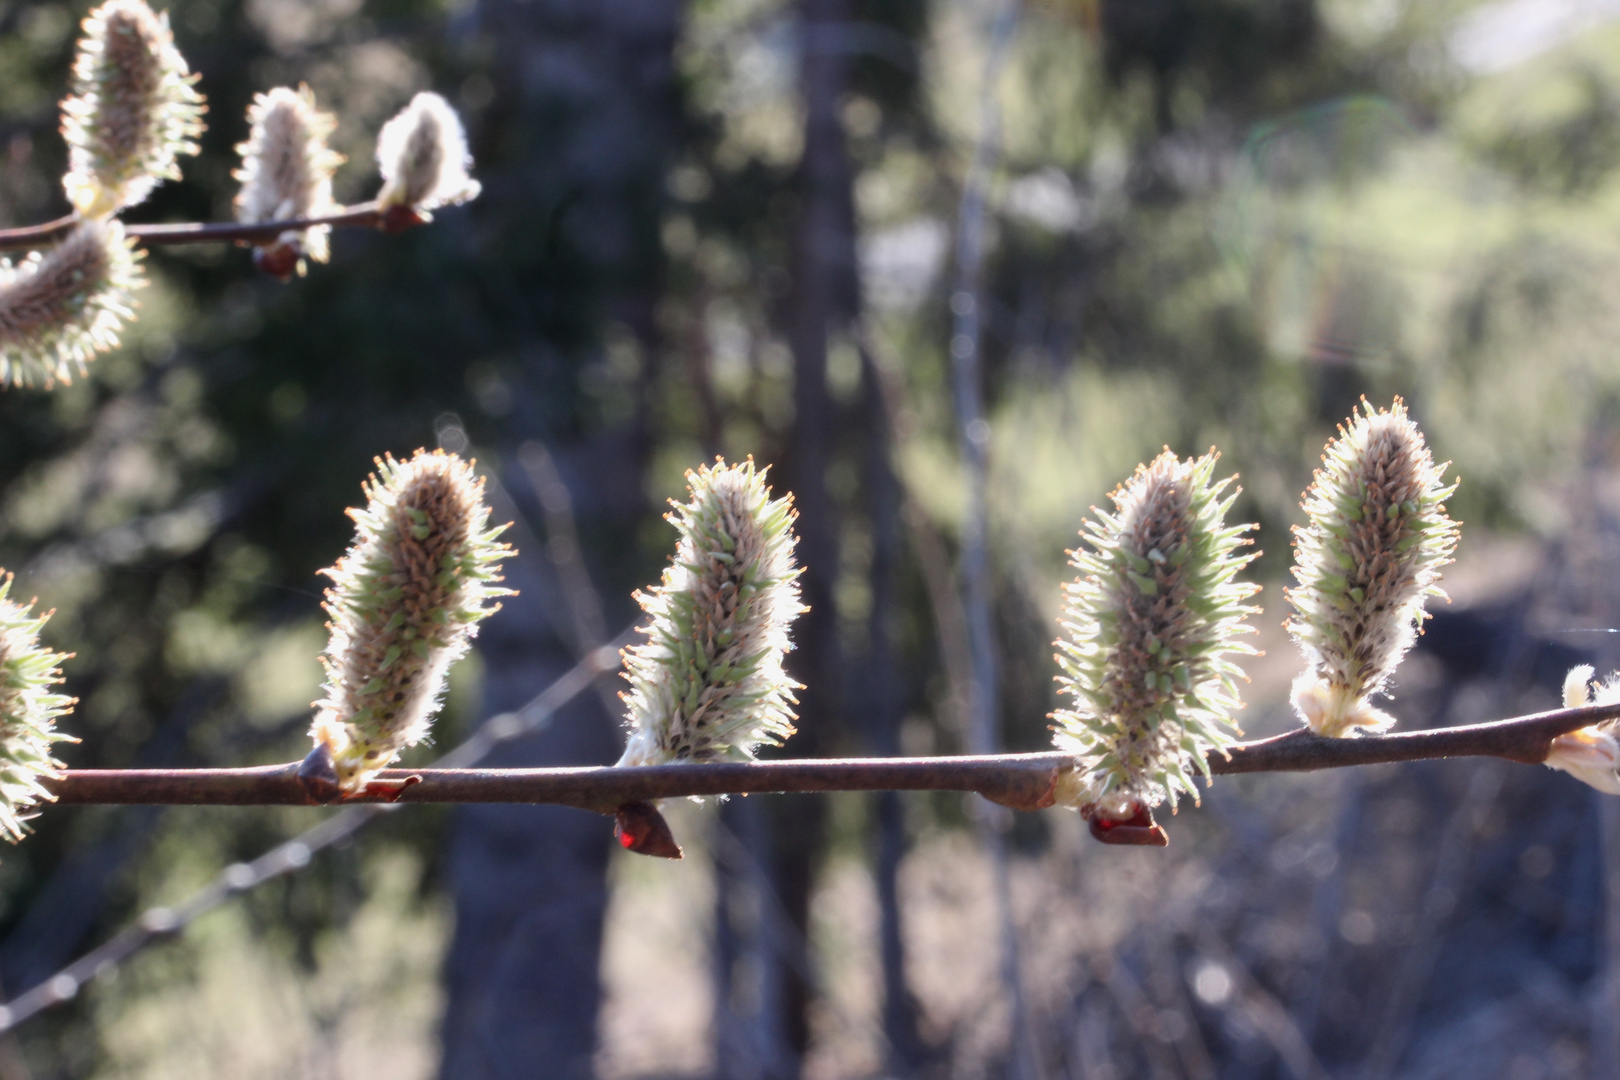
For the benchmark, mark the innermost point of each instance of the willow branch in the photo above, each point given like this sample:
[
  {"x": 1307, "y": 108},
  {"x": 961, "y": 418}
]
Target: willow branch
[
  {"x": 1022, "y": 781},
  {"x": 363, "y": 215}
]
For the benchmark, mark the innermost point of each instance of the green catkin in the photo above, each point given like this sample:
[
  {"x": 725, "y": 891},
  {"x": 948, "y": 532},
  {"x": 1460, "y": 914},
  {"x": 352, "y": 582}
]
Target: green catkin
[
  {"x": 1150, "y": 626},
  {"x": 1366, "y": 560},
  {"x": 708, "y": 684},
  {"x": 132, "y": 111},
  {"x": 61, "y": 307},
  {"x": 29, "y": 709},
  {"x": 405, "y": 602}
]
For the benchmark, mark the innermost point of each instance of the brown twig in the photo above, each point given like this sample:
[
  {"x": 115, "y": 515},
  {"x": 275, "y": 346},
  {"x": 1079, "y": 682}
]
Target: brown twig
[
  {"x": 362, "y": 215},
  {"x": 28, "y": 237},
  {"x": 1021, "y": 781}
]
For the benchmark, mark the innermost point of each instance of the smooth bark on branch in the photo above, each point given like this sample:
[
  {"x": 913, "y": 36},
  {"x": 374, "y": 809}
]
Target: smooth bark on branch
[
  {"x": 1022, "y": 781},
  {"x": 362, "y": 215}
]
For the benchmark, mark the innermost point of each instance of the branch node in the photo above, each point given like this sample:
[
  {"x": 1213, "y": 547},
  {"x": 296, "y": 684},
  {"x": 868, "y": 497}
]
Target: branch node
[
  {"x": 397, "y": 218},
  {"x": 389, "y": 788},
  {"x": 317, "y": 775},
  {"x": 1024, "y": 791}
]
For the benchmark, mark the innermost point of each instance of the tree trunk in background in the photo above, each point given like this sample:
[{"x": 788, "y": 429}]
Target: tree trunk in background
[
  {"x": 528, "y": 881},
  {"x": 881, "y": 697},
  {"x": 821, "y": 304},
  {"x": 579, "y": 184}
]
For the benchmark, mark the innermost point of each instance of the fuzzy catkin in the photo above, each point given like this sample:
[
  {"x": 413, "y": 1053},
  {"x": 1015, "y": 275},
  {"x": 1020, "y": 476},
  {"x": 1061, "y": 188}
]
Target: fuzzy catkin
[
  {"x": 1366, "y": 560},
  {"x": 60, "y": 308},
  {"x": 404, "y": 605},
  {"x": 132, "y": 111},
  {"x": 1592, "y": 754},
  {"x": 708, "y": 683},
  {"x": 29, "y": 709},
  {"x": 286, "y": 169},
  {"x": 423, "y": 157},
  {"x": 1150, "y": 626}
]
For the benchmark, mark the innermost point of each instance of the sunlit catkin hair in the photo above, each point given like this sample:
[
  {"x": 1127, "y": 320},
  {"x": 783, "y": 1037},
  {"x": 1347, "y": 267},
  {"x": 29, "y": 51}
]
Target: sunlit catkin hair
[
  {"x": 708, "y": 684},
  {"x": 1150, "y": 627},
  {"x": 29, "y": 708},
  {"x": 132, "y": 110},
  {"x": 404, "y": 604},
  {"x": 422, "y": 155},
  {"x": 286, "y": 169},
  {"x": 60, "y": 308},
  {"x": 1366, "y": 559},
  {"x": 1592, "y": 754}
]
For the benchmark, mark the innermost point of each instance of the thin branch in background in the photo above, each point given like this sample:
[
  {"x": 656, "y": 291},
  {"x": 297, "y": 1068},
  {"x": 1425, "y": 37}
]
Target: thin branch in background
[
  {"x": 927, "y": 545},
  {"x": 1452, "y": 858},
  {"x": 579, "y": 595},
  {"x": 162, "y": 923},
  {"x": 1139, "y": 1012},
  {"x": 1327, "y": 908},
  {"x": 1169, "y": 984},
  {"x": 882, "y": 686},
  {"x": 12, "y": 1065},
  {"x": 973, "y": 430},
  {"x": 1268, "y": 1015},
  {"x": 973, "y": 434},
  {"x": 791, "y": 946},
  {"x": 562, "y": 544}
]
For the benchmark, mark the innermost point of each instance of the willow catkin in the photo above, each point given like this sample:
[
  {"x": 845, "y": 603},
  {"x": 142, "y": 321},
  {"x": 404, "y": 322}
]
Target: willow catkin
[
  {"x": 132, "y": 110},
  {"x": 1592, "y": 754},
  {"x": 1366, "y": 560},
  {"x": 405, "y": 602},
  {"x": 29, "y": 709},
  {"x": 708, "y": 683},
  {"x": 1150, "y": 626},
  {"x": 286, "y": 169},
  {"x": 61, "y": 307},
  {"x": 423, "y": 157}
]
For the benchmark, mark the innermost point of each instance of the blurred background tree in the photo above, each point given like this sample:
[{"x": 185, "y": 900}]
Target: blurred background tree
[{"x": 725, "y": 227}]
